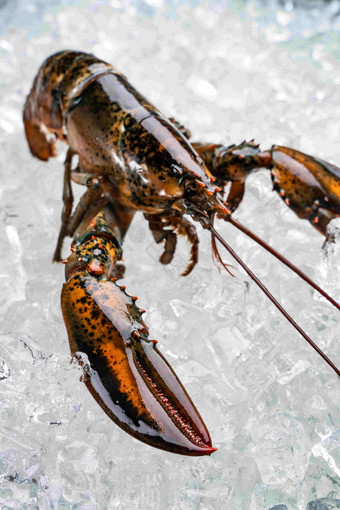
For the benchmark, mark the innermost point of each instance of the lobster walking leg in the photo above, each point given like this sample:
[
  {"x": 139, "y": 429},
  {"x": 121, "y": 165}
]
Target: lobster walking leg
[
  {"x": 124, "y": 370},
  {"x": 177, "y": 225},
  {"x": 68, "y": 204},
  {"x": 235, "y": 195},
  {"x": 157, "y": 226}
]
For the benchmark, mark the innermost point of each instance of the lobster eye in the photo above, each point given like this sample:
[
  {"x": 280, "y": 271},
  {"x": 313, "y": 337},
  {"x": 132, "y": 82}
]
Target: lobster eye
[{"x": 190, "y": 188}]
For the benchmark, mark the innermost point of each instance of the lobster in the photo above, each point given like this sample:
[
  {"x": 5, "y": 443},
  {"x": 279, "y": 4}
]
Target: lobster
[{"x": 133, "y": 158}]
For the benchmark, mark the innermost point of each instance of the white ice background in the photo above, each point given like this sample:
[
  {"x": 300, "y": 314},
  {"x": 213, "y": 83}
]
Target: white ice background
[{"x": 229, "y": 71}]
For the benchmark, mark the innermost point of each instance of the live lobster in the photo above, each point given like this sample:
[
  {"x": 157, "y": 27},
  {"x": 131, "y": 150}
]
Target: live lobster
[{"x": 133, "y": 158}]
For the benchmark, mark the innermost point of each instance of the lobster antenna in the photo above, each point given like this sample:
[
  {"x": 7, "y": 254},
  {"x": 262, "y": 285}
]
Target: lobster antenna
[
  {"x": 272, "y": 299},
  {"x": 283, "y": 259},
  {"x": 216, "y": 253}
]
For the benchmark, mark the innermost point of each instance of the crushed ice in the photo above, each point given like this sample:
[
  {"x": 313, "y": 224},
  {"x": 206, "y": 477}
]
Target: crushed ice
[{"x": 268, "y": 70}]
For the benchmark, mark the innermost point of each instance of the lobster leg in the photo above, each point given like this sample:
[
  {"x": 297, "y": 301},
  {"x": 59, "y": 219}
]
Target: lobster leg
[
  {"x": 308, "y": 185},
  {"x": 177, "y": 225},
  {"x": 90, "y": 203},
  {"x": 160, "y": 233},
  {"x": 88, "y": 200},
  {"x": 68, "y": 203},
  {"x": 123, "y": 217},
  {"x": 124, "y": 370},
  {"x": 235, "y": 195}
]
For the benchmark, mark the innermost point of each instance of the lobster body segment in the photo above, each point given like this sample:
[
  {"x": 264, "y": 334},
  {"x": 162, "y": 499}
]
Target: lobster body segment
[{"x": 133, "y": 158}]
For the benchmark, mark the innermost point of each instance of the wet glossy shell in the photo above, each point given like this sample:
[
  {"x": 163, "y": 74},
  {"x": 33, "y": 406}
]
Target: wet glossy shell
[{"x": 127, "y": 375}]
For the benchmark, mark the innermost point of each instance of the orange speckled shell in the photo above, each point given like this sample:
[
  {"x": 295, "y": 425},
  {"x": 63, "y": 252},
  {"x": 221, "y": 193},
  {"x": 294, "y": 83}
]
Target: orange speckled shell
[{"x": 128, "y": 376}]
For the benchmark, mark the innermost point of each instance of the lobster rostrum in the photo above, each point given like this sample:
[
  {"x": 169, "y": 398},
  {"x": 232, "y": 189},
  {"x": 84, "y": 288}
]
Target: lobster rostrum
[{"x": 132, "y": 158}]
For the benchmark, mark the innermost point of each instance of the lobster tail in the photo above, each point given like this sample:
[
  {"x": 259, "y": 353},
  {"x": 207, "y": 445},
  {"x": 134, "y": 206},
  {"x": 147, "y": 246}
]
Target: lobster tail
[{"x": 61, "y": 79}]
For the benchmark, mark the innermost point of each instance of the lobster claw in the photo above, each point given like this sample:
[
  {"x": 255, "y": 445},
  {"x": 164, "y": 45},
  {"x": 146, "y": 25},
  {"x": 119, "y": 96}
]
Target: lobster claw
[{"x": 128, "y": 376}]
